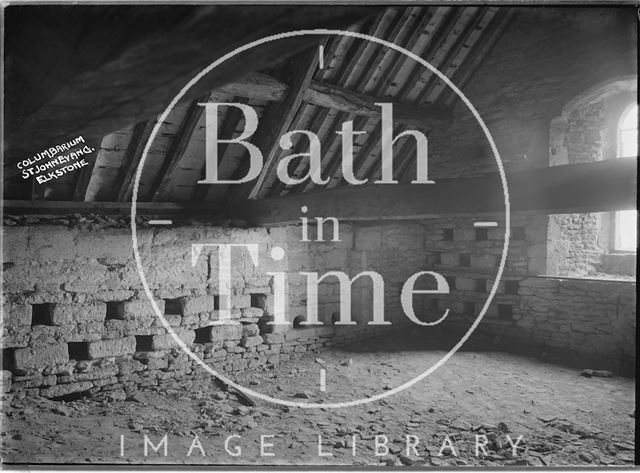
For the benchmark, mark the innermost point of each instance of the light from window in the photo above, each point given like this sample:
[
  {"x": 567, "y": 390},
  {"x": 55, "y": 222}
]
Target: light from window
[
  {"x": 626, "y": 229},
  {"x": 628, "y": 133}
]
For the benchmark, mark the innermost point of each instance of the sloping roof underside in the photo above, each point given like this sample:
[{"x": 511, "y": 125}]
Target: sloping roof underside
[{"x": 453, "y": 39}]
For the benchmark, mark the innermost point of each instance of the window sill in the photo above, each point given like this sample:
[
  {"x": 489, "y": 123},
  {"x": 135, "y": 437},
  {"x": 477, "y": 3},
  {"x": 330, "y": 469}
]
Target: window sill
[{"x": 618, "y": 263}]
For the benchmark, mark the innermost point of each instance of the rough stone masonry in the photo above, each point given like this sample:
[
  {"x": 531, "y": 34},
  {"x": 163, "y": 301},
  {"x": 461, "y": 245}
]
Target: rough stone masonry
[{"x": 76, "y": 318}]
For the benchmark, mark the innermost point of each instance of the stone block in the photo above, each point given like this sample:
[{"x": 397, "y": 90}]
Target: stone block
[
  {"x": 465, "y": 284},
  {"x": 226, "y": 332},
  {"x": 188, "y": 320},
  {"x": 64, "y": 389},
  {"x": 15, "y": 244},
  {"x": 27, "y": 358},
  {"x": 368, "y": 239},
  {"x": 251, "y": 313},
  {"x": 157, "y": 364},
  {"x": 141, "y": 309},
  {"x": 483, "y": 261},
  {"x": 115, "y": 347},
  {"x": 273, "y": 338},
  {"x": 449, "y": 259},
  {"x": 96, "y": 373},
  {"x": 55, "y": 244},
  {"x": 241, "y": 301},
  {"x": 16, "y": 315},
  {"x": 69, "y": 314},
  {"x": 248, "y": 342},
  {"x": 250, "y": 330},
  {"x": 112, "y": 243},
  {"x": 196, "y": 305},
  {"x": 166, "y": 341},
  {"x": 31, "y": 381}
]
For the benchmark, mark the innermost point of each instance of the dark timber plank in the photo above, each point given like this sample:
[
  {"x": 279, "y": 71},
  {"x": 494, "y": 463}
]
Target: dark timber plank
[
  {"x": 593, "y": 187},
  {"x": 131, "y": 159},
  {"x": 84, "y": 176},
  {"x": 339, "y": 98},
  {"x": 481, "y": 49},
  {"x": 58, "y": 207},
  {"x": 476, "y": 23},
  {"x": 231, "y": 120},
  {"x": 261, "y": 86},
  {"x": 177, "y": 149},
  {"x": 277, "y": 119}
]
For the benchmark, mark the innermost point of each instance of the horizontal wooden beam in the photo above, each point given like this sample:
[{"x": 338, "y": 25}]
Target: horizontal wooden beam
[
  {"x": 50, "y": 207},
  {"x": 593, "y": 187},
  {"x": 264, "y": 87}
]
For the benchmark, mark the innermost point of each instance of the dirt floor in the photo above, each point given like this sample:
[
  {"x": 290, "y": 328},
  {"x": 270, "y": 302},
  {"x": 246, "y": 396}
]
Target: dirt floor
[{"x": 477, "y": 396}]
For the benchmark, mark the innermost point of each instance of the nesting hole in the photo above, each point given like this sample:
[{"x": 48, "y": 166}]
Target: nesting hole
[
  {"x": 482, "y": 234},
  {"x": 259, "y": 301},
  {"x": 511, "y": 287},
  {"x": 480, "y": 285},
  {"x": 115, "y": 310},
  {"x": 464, "y": 260},
  {"x": 447, "y": 234},
  {"x": 78, "y": 351},
  {"x": 435, "y": 258},
  {"x": 505, "y": 312},
  {"x": 203, "y": 335},
  {"x": 9, "y": 359},
  {"x": 173, "y": 307},
  {"x": 451, "y": 281},
  {"x": 144, "y": 342},
  {"x": 468, "y": 308},
  {"x": 42, "y": 314},
  {"x": 518, "y": 233}
]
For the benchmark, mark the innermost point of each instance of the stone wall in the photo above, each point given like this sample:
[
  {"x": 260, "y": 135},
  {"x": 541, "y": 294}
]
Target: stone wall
[
  {"x": 580, "y": 243},
  {"x": 588, "y": 321},
  {"x": 76, "y": 318},
  {"x": 547, "y": 105}
]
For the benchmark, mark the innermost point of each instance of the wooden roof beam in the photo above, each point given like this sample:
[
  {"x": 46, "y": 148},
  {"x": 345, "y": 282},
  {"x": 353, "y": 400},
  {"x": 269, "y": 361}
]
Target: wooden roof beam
[
  {"x": 591, "y": 187},
  {"x": 264, "y": 87},
  {"x": 339, "y": 98},
  {"x": 588, "y": 187},
  {"x": 131, "y": 160},
  {"x": 68, "y": 207},
  {"x": 231, "y": 120},
  {"x": 177, "y": 149},
  {"x": 276, "y": 120},
  {"x": 81, "y": 97},
  {"x": 84, "y": 176}
]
